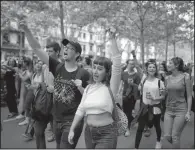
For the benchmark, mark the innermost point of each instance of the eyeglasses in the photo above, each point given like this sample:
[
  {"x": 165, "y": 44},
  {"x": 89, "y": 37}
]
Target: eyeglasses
[{"x": 67, "y": 47}]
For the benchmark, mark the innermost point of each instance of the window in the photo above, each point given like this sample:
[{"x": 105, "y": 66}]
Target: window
[
  {"x": 91, "y": 37},
  {"x": 84, "y": 35},
  {"x": 91, "y": 47},
  {"x": 84, "y": 47},
  {"x": 6, "y": 38}
]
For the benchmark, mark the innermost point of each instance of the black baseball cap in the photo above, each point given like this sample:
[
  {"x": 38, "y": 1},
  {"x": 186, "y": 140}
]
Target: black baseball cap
[{"x": 76, "y": 45}]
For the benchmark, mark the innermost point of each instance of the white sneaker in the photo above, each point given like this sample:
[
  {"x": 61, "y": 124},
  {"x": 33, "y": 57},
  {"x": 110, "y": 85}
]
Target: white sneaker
[
  {"x": 23, "y": 122},
  {"x": 20, "y": 116},
  {"x": 127, "y": 133},
  {"x": 158, "y": 145}
]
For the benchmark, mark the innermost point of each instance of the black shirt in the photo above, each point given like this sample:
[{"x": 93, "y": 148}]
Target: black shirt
[
  {"x": 130, "y": 90},
  {"x": 66, "y": 96}
]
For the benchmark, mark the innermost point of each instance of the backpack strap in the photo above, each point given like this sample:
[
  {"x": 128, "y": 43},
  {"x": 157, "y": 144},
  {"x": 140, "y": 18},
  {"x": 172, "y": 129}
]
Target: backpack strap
[
  {"x": 159, "y": 87},
  {"x": 142, "y": 86}
]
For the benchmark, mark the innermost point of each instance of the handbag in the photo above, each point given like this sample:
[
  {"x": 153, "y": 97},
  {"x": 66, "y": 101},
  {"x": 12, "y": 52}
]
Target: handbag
[{"x": 119, "y": 117}]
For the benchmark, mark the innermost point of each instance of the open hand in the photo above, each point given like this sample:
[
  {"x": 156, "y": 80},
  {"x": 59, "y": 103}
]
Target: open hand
[
  {"x": 111, "y": 32},
  {"x": 22, "y": 24},
  {"x": 71, "y": 137},
  {"x": 188, "y": 116}
]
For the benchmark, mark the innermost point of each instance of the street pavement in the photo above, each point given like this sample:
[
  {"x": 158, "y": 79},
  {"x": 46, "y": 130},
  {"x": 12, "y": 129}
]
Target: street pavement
[{"x": 11, "y": 137}]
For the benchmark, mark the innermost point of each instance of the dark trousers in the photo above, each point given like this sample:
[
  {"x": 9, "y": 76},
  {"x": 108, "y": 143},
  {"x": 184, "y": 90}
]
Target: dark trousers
[
  {"x": 141, "y": 124},
  {"x": 128, "y": 106},
  {"x": 11, "y": 102},
  {"x": 39, "y": 127},
  {"x": 101, "y": 137},
  {"x": 61, "y": 131}
]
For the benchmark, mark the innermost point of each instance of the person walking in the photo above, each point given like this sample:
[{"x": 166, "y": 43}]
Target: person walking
[
  {"x": 178, "y": 103},
  {"x": 96, "y": 104},
  {"x": 150, "y": 112},
  {"x": 69, "y": 83}
]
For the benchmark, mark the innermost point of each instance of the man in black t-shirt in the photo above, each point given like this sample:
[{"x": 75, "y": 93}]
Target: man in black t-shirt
[
  {"x": 131, "y": 80},
  {"x": 69, "y": 83}
]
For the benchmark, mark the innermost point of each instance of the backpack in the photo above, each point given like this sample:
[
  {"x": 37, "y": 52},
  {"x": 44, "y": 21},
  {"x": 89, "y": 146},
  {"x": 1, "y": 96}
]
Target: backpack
[{"x": 42, "y": 103}]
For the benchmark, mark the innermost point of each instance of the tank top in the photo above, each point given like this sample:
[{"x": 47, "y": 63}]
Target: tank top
[{"x": 176, "y": 92}]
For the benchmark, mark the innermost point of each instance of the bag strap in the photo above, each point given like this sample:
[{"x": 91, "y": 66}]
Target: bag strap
[
  {"x": 159, "y": 86},
  {"x": 142, "y": 86},
  {"x": 185, "y": 93},
  {"x": 114, "y": 104},
  {"x": 59, "y": 66}
]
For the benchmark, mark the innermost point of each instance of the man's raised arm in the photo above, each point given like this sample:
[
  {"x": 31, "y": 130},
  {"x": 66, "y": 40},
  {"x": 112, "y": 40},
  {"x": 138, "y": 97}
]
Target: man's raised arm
[{"x": 34, "y": 43}]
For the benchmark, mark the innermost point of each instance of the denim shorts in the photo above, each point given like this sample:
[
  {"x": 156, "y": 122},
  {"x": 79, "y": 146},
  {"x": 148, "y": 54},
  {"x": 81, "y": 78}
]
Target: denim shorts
[{"x": 101, "y": 137}]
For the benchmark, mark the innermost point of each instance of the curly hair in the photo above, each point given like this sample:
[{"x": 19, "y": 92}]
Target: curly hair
[
  {"x": 179, "y": 63},
  {"x": 107, "y": 64}
]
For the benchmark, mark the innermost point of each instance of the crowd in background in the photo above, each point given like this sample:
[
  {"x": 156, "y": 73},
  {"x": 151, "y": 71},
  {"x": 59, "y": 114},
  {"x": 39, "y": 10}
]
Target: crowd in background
[{"x": 149, "y": 95}]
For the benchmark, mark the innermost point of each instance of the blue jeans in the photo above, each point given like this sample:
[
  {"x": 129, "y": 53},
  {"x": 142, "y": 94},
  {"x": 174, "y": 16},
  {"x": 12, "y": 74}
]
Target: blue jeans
[
  {"x": 61, "y": 131},
  {"x": 174, "y": 123},
  {"x": 101, "y": 137}
]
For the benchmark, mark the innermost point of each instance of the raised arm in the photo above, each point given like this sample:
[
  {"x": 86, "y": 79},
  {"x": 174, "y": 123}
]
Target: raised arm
[
  {"x": 116, "y": 67},
  {"x": 34, "y": 43}
]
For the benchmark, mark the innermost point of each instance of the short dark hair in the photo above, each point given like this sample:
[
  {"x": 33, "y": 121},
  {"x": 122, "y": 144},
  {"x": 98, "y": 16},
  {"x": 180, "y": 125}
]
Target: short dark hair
[
  {"x": 179, "y": 63},
  {"x": 107, "y": 64},
  {"x": 56, "y": 47},
  {"x": 88, "y": 60}
]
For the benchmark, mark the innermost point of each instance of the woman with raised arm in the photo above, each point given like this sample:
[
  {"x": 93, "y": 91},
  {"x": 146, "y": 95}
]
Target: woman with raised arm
[{"x": 96, "y": 104}]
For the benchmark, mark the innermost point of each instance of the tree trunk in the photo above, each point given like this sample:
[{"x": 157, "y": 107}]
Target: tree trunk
[
  {"x": 142, "y": 45},
  {"x": 155, "y": 50},
  {"x": 167, "y": 39},
  {"x": 166, "y": 51},
  {"x": 191, "y": 47},
  {"x": 174, "y": 49},
  {"x": 61, "y": 19}
]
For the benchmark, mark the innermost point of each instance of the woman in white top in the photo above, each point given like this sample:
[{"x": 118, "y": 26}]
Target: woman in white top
[
  {"x": 96, "y": 104},
  {"x": 152, "y": 96}
]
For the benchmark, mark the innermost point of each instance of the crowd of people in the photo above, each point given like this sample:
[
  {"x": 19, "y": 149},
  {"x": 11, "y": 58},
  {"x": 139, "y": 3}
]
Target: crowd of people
[{"x": 79, "y": 91}]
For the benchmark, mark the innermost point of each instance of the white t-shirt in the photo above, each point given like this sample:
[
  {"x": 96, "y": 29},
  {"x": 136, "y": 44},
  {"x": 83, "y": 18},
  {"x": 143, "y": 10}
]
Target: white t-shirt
[{"x": 152, "y": 87}]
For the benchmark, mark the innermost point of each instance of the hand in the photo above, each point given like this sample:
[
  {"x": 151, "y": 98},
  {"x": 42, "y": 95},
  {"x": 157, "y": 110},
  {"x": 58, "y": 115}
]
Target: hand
[
  {"x": 188, "y": 116},
  {"x": 78, "y": 82},
  {"x": 22, "y": 24},
  {"x": 71, "y": 137},
  {"x": 111, "y": 33},
  {"x": 133, "y": 52},
  {"x": 149, "y": 96}
]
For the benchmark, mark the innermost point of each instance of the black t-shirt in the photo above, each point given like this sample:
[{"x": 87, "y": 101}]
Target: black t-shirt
[
  {"x": 129, "y": 89},
  {"x": 66, "y": 96}
]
